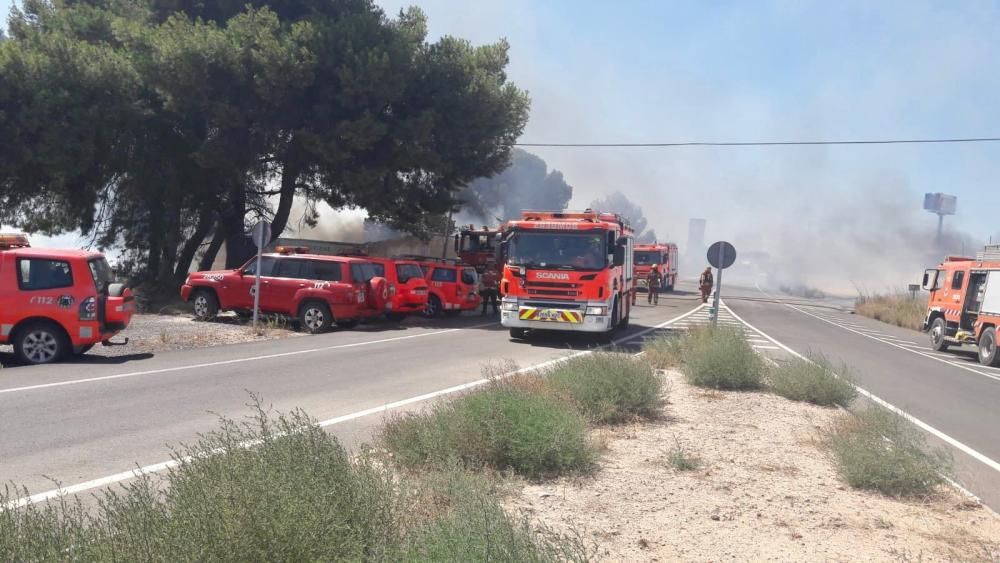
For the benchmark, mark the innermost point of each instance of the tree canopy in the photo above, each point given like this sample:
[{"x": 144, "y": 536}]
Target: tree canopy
[
  {"x": 167, "y": 126},
  {"x": 526, "y": 184}
]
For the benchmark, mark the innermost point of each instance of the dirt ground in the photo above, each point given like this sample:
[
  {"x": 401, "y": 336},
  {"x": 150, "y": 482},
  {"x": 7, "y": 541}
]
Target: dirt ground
[
  {"x": 764, "y": 491},
  {"x": 159, "y": 333}
]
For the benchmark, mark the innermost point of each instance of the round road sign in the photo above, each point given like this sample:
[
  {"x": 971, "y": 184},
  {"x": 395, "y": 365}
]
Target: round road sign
[
  {"x": 721, "y": 255},
  {"x": 261, "y": 233}
]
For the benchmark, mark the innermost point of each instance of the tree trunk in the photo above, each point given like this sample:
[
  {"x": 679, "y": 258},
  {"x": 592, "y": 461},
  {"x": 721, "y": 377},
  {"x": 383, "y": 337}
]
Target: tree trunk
[
  {"x": 289, "y": 179},
  {"x": 205, "y": 221},
  {"x": 208, "y": 259},
  {"x": 238, "y": 243}
]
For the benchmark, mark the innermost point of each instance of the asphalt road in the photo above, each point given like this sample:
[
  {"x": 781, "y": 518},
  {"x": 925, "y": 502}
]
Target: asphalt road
[
  {"x": 958, "y": 399},
  {"x": 77, "y": 422}
]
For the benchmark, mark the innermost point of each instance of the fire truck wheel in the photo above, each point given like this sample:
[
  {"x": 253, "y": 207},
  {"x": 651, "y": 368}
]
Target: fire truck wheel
[
  {"x": 937, "y": 332},
  {"x": 433, "y": 308},
  {"x": 205, "y": 303},
  {"x": 315, "y": 317},
  {"x": 41, "y": 342},
  {"x": 989, "y": 353},
  {"x": 517, "y": 333}
]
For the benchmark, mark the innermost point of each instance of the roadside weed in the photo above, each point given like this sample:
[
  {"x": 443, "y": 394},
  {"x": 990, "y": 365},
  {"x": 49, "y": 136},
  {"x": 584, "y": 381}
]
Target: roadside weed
[
  {"x": 813, "y": 381},
  {"x": 720, "y": 358},
  {"x": 609, "y": 387}
]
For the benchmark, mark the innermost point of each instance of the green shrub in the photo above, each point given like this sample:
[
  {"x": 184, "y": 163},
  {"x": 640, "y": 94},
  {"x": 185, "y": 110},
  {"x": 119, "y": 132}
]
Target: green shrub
[
  {"x": 471, "y": 525},
  {"x": 504, "y": 426},
  {"x": 812, "y": 381},
  {"x": 275, "y": 490},
  {"x": 664, "y": 352},
  {"x": 608, "y": 387},
  {"x": 682, "y": 460},
  {"x": 720, "y": 358},
  {"x": 880, "y": 450}
]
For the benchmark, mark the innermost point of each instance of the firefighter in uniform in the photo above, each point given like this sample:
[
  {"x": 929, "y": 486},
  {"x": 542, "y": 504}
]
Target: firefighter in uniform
[
  {"x": 653, "y": 282},
  {"x": 705, "y": 283},
  {"x": 488, "y": 288}
]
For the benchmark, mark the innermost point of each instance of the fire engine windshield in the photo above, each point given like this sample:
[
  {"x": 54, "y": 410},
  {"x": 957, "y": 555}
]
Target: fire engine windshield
[
  {"x": 647, "y": 257},
  {"x": 576, "y": 251}
]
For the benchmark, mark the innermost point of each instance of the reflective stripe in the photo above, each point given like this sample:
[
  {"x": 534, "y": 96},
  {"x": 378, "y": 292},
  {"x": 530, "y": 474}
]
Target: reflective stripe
[
  {"x": 86, "y": 332},
  {"x": 5, "y": 330}
]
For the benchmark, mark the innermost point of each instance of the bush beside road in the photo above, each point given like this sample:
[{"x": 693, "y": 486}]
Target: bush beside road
[{"x": 899, "y": 309}]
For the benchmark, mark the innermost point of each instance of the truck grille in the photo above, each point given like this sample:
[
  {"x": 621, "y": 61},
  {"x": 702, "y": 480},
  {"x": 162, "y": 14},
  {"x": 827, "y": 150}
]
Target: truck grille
[
  {"x": 552, "y": 289},
  {"x": 555, "y": 305}
]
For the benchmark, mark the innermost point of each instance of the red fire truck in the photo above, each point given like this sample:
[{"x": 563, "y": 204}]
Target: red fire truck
[
  {"x": 662, "y": 254},
  {"x": 964, "y": 303},
  {"x": 480, "y": 248},
  {"x": 568, "y": 271}
]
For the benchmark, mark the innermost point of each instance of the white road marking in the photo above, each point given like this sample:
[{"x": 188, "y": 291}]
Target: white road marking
[
  {"x": 762, "y": 347},
  {"x": 901, "y": 347},
  {"x": 927, "y": 427},
  {"x": 233, "y": 361},
  {"x": 163, "y": 466}
]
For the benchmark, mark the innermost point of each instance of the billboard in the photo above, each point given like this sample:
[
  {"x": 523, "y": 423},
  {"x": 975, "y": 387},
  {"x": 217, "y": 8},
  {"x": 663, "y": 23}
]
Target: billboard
[{"x": 942, "y": 204}]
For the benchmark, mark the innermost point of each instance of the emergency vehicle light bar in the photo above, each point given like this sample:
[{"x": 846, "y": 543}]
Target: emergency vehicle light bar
[
  {"x": 12, "y": 240},
  {"x": 292, "y": 249}
]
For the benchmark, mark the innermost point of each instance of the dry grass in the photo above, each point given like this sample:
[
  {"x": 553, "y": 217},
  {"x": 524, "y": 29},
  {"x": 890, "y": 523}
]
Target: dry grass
[{"x": 900, "y": 309}]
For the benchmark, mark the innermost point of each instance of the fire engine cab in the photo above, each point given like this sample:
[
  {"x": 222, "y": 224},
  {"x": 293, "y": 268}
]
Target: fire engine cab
[
  {"x": 964, "y": 303},
  {"x": 55, "y": 303},
  {"x": 569, "y": 271},
  {"x": 480, "y": 248},
  {"x": 662, "y": 254}
]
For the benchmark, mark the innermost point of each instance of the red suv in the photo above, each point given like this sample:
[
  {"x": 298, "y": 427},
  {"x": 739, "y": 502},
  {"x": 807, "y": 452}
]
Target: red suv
[
  {"x": 453, "y": 287},
  {"x": 54, "y": 303},
  {"x": 407, "y": 287},
  {"x": 316, "y": 290}
]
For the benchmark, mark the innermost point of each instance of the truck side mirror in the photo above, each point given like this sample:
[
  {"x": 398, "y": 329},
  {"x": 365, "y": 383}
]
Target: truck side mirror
[
  {"x": 619, "y": 256},
  {"x": 930, "y": 282}
]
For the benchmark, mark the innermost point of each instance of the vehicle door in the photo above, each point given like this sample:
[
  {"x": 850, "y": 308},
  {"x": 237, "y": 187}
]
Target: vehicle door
[
  {"x": 288, "y": 276},
  {"x": 469, "y": 286},
  {"x": 412, "y": 287},
  {"x": 51, "y": 287},
  {"x": 241, "y": 294},
  {"x": 329, "y": 277},
  {"x": 444, "y": 283}
]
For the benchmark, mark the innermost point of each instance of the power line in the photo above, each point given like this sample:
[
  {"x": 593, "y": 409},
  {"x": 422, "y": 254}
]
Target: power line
[{"x": 767, "y": 143}]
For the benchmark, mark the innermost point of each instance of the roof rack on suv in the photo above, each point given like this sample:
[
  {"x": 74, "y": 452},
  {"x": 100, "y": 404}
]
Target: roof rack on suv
[
  {"x": 433, "y": 259},
  {"x": 13, "y": 240}
]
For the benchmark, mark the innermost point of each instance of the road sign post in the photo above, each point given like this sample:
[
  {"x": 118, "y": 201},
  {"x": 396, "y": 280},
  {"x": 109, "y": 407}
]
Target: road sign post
[
  {"x": 261, "y": 236},
  {"x": 721, "y": 255}
]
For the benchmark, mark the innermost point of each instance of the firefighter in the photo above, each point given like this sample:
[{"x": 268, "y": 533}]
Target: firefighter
[
  {"x": 706, "y": 282},
  {"x": 488, "y": 288},
  {"x": 653, "y": 282}
]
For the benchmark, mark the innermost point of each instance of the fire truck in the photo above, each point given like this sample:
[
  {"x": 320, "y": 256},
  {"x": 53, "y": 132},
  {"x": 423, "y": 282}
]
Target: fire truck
[
  {"x": 964, "y": 303},
  {"x": 566, "y": 271},
  {"x": 480, "y": 248},
  {"x": 663, "y": 254}
]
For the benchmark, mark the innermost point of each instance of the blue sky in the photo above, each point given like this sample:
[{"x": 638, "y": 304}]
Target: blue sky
[{"x": 641, "y": 70}]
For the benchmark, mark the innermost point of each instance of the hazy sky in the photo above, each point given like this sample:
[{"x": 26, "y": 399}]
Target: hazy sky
[{"x": 659, "y": 71}]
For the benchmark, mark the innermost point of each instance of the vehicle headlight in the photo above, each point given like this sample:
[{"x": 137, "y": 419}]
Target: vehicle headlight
[
  {"x": 600, "y": 310},
  {"x": 509, "y": 305}
]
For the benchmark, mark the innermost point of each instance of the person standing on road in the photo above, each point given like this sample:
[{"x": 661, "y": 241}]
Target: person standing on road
[
  {"x": 653, "y": 282},
  {"x": 706, "y": 283},
  {"x": 488, "y": 289}
]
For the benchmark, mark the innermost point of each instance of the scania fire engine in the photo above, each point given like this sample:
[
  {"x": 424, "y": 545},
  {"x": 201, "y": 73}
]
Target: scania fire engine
[
  {"x": 964, "y": 303},
  {"x": 569, "y": 271}
]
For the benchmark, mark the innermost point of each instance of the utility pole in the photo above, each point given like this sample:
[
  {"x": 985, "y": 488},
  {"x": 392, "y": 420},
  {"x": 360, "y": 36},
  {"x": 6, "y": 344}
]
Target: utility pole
[{"x": 447, "y": 235}]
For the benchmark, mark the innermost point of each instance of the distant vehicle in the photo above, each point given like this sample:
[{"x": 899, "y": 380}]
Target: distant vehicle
[
  {"x": 567, "y": 270},
  {"x": 480, "y": 248},
  {"x": 408, "y": 290},
  {"x": 964, "y": 303},
  {"x": 453, "y": 286},
  {"x": 317, "y": 291},
  {"x": 54, "y": 303},
  {"x": 663, "y": 254}
]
